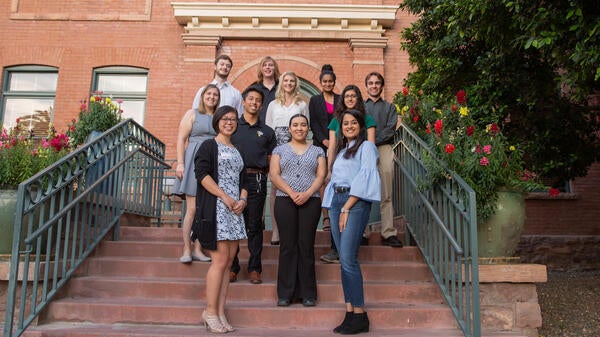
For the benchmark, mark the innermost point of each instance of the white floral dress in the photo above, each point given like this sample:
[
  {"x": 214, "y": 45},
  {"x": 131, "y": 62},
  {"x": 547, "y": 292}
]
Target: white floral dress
[{"x": 230, "y": 226}]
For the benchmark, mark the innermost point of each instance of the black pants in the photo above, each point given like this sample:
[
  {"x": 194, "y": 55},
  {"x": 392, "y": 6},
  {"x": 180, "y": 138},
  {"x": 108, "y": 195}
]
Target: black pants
[
  {"x": 297, "y": 227},
  {"x": 253, "y": 217}
]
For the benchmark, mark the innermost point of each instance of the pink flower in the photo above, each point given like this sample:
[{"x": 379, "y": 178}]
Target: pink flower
[
  {"x": 553, "y": 191},
  {"x": 45, "y": 144},
  {"x": 487, "y": 149},
  {"x": 438, "y": 126},
  {"x": 484, "y": 161},
  {"x": 428, "y": 129},
  {"x": 450, "y": 148}
]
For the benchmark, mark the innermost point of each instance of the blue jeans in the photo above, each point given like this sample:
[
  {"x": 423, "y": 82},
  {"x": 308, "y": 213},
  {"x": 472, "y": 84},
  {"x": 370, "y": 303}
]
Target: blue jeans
[{"x": 348, "y": 243}]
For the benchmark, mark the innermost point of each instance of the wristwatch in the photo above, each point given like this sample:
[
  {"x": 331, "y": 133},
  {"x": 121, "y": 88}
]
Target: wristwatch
[{"x": 343, "y": 210}]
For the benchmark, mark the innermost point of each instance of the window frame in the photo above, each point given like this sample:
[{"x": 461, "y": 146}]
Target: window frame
[
  {"x": 124, "y": 95},
  {"x": 8, "y": 94}
]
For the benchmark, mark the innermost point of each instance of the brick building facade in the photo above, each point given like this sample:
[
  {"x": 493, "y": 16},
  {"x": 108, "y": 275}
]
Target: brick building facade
[{"x": 173, "y": 44}]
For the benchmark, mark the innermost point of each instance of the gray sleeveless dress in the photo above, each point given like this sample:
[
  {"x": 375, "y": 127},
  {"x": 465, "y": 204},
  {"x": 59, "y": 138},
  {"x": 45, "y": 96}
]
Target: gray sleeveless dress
[{"x": 201, "y": 130}]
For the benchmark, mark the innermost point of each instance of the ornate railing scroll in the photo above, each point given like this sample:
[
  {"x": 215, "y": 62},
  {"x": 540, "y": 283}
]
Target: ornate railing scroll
[
  {"x": 442, "y": 221},
  {"x": 64, "y": 211}
]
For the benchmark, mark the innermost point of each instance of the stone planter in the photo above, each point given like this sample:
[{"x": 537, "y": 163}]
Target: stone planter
[
  {"x": 499, "y": 236},
  {"x": 8, "y": 204}
]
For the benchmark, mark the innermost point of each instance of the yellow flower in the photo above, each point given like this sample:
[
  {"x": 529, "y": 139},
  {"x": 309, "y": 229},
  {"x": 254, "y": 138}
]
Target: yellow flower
[
  {"x": 92, "y": 99},
  {"x": 512, "y": 148},
  {"x": 439, "y": 112},
  {"x": 464, "y": 111},
  {"x": 405, "y": 109},
  {"x": 107, "y": 100}
]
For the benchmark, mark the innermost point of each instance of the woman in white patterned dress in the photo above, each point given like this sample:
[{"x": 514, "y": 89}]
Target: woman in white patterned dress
[{"x": 219, "y": 223}]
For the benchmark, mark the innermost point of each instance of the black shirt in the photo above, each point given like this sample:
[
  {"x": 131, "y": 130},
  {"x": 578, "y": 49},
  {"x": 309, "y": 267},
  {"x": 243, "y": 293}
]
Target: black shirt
[
  {"x": 255, "y": 143},
  {"x": 268, "y": 97}
]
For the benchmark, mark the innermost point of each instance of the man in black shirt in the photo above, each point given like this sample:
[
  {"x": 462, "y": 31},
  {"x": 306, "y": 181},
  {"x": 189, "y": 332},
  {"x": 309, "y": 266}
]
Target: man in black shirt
[
  {"x": 256, "y": 142},
  {"x": 268, "y": 79}
]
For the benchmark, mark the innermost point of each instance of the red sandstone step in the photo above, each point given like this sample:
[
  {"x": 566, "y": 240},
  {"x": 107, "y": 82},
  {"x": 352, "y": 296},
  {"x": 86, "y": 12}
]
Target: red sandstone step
[
  {"x": 168, "y": 267},
  {"x": 263, "y": 314},
  {"x": 182, "y": 288},
  {"x": 173, "y": 249},
  {"x": 151, "y": 330},
  {"x": 173, "y": 234}
]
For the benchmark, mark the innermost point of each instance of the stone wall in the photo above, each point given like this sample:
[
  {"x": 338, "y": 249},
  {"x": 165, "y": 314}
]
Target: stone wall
[
  {"x": 561, "y": 252},
  {"x": 509, "y": 299}
]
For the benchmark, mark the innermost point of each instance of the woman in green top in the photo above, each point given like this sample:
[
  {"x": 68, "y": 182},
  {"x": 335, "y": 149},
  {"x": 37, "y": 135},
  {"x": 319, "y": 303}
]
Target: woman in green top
[{"x": 351, "y": 98}]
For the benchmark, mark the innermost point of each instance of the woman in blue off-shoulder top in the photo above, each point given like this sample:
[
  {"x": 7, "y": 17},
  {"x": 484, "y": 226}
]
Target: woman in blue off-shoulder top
[{"x": 354, "y": 185}]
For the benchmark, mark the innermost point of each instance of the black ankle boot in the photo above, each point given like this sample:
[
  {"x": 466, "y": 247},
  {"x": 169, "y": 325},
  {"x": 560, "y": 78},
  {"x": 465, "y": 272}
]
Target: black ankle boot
[
  {"x": 359, "y": 323},
  {"x": 347, "y": 320}
]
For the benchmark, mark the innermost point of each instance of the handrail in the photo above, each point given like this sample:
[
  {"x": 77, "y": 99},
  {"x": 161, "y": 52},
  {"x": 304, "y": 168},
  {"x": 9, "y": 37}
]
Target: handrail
[
  {"x": 442, "y": 221},
  {"x": 64, "y": 211}
]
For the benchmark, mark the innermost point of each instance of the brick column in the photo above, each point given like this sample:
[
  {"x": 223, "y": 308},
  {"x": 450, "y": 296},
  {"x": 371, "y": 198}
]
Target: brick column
[
  {"x": 368, "y": 57},
  {"x": 198, "y": 63}
]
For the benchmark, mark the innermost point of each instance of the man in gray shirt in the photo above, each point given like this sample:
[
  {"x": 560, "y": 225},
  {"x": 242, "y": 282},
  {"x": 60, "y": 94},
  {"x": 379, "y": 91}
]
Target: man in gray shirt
[{"x": 386, "y": 118}]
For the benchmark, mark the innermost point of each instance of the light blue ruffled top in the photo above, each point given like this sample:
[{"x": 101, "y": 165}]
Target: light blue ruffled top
[{"x": 358, "y": 172}]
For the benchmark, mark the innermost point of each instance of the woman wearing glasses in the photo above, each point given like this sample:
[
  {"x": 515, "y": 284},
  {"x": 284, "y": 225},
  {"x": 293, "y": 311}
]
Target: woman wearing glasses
[{"x": 221, "y": 199}]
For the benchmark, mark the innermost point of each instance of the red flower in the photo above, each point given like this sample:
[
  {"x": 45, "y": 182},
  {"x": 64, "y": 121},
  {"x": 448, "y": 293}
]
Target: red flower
[
  {"x": 416, "y": 118},
  {"x": 454, "y": 107},
  {"x": 484, "y": 161},
  {"x": 428, "y": 129},
  {"x": 438, "y": 127},
  {"x": 494, "y": 129},
  {"x": 461, "y": 97},
  {"x": 405, "y": 91},
  {"x": 450, "y": 148},
  {"x": 553, "y": 191},
  {"x": 470, "y": 130}
]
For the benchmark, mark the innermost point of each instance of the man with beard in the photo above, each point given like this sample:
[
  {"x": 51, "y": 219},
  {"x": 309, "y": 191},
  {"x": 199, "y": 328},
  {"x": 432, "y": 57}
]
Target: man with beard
[{"x": 229, "y": 94}]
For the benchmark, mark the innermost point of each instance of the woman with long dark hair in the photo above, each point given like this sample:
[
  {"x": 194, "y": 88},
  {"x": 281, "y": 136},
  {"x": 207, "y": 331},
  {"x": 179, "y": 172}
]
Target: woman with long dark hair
[{"x": 354, "y": 185}]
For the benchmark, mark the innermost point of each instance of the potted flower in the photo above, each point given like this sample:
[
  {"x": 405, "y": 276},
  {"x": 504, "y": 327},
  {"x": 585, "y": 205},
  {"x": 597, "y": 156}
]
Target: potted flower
[
  {"x": 96, "y": 115},
  {"x": 22, "y": 156},
  {"x": 480, "y": 154}
]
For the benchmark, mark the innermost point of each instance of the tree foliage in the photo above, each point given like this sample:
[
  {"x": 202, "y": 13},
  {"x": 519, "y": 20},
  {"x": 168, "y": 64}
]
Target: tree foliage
[{"x": 532, "y": 65}]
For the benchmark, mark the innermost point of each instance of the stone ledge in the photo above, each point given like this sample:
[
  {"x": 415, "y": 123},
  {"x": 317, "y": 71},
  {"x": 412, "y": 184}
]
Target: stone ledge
[{"x": 513, "y": 273}]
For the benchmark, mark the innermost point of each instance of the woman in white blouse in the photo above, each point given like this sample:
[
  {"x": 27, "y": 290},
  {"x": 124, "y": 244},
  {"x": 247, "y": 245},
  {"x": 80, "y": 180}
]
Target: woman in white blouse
[{"x": 287, "y": 103}]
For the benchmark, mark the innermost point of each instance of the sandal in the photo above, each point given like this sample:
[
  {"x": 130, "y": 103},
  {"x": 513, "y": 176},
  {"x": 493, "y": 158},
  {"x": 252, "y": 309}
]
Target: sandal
[{"x": 326, "y": 228}]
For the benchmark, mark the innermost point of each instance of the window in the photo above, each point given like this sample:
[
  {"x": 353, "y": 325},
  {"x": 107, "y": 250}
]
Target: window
[
  {"x": 28, "y": 93},
  {"x": 126, "y": 83}
]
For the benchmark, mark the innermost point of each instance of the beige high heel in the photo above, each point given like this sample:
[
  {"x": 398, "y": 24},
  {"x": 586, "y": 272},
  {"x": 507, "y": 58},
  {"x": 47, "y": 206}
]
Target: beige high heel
[
  {"x": 226, "y": 324},
  {"x": 213, "y": 323}
]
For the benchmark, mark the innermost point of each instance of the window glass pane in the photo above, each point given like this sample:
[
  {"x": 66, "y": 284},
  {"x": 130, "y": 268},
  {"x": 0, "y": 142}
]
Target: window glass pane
[
  {"x": 34, "y": 112},
  {"x": 134, "y": 109},
  {"x": 122, "y": 83},
  {"x": 32, "y": 81}
]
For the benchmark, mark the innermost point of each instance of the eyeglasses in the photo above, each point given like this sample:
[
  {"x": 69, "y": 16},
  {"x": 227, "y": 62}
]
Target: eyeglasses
[{"x": 232, "y": 120}]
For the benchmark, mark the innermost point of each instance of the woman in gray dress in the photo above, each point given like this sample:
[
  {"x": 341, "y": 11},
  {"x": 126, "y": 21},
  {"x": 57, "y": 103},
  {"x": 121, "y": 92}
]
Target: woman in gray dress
[{"x": 195, "y": 127}]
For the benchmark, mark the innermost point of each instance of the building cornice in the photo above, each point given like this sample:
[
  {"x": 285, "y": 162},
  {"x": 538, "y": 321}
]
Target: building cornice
[{"x": 283, "y": 21}]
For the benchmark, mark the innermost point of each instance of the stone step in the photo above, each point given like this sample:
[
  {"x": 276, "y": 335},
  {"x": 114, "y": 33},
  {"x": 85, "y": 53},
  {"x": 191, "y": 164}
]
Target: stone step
[
  {"x": 182, "y": 288},
  {"x": 174, "y": 234},
  {"x": 250, "y": 314},
  {"x": 174, "y": 249},
  {"x": 69, "y": 329},
  {"x": 168, "y": 267}
]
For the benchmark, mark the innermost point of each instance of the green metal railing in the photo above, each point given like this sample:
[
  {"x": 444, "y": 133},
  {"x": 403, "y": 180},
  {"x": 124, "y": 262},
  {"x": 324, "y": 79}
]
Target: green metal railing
[
  {"x": 442, "y": 220},
  {"x": 64, "y": 211}
]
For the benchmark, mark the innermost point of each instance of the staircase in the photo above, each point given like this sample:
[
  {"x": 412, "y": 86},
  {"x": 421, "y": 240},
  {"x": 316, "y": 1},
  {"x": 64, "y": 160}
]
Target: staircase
[{"x": 137, "y": 287}]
